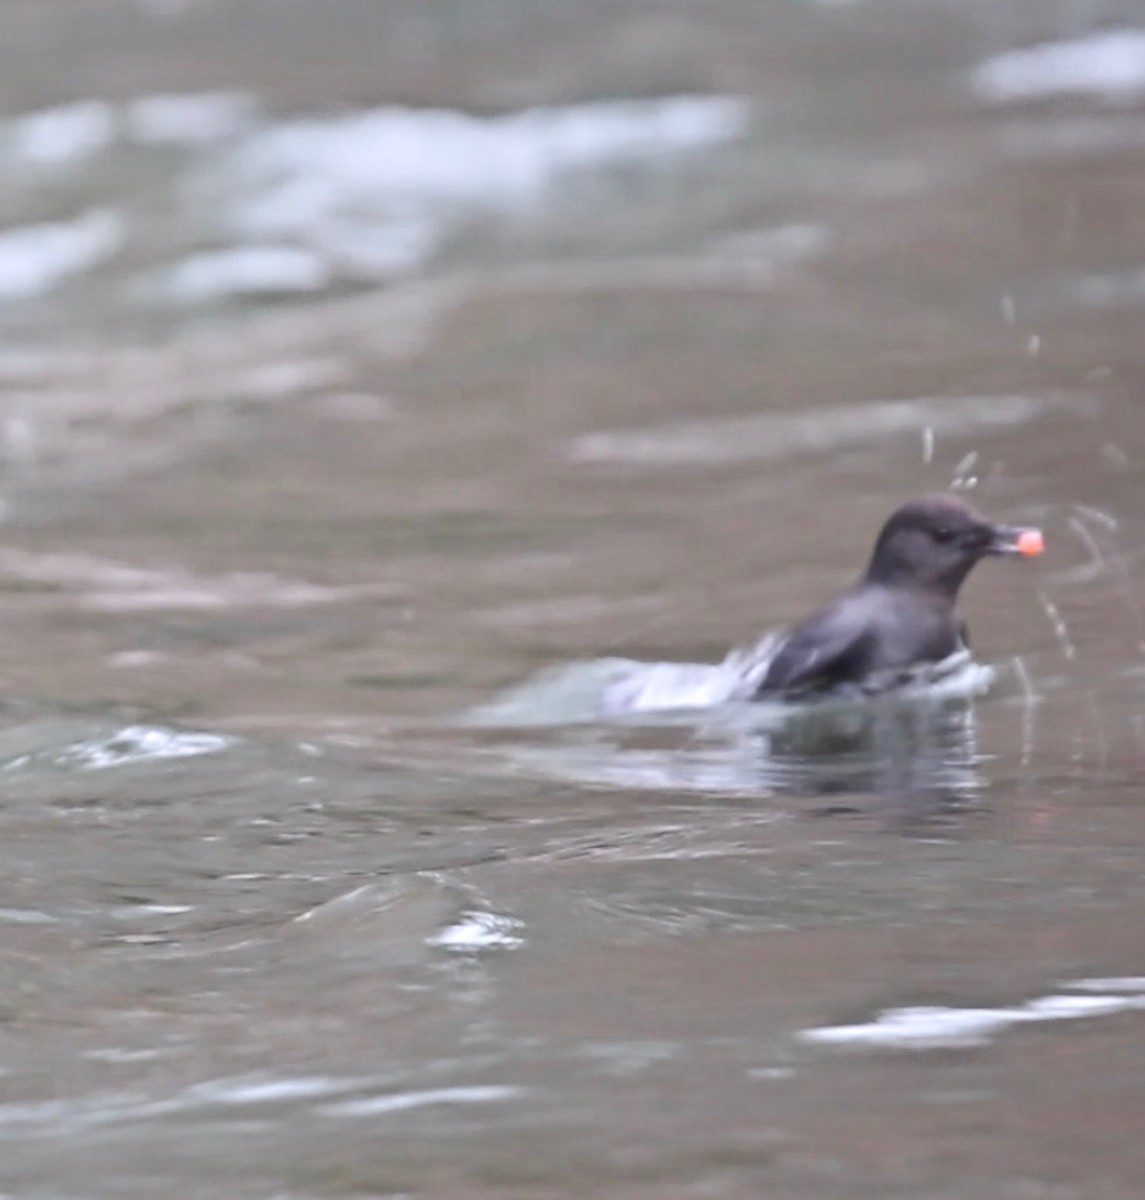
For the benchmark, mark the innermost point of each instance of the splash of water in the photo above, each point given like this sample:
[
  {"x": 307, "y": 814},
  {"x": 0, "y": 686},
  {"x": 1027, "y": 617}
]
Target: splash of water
[{"x": 615, "y": 688}]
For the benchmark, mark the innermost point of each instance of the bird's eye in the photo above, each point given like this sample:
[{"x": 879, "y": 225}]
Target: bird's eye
[{"x": 945, "y": 536}]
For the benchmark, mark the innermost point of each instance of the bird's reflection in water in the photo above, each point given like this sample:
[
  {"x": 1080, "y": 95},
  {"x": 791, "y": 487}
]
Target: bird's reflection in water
[
  {"x": 910, "y": 756},
  {"x": 914, "y": 762}
]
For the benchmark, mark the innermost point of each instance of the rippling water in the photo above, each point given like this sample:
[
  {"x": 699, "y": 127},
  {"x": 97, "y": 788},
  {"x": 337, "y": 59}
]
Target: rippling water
[{"x": 416, "y": 428}]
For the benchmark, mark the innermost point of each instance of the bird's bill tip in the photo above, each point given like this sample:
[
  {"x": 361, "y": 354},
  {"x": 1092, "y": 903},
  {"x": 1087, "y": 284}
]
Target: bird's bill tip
[{"x": 1024, "y": 542}]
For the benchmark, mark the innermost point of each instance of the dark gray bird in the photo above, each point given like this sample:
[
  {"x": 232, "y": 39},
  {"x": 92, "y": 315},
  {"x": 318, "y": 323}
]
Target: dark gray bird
[{"x": 903, "y": 612}]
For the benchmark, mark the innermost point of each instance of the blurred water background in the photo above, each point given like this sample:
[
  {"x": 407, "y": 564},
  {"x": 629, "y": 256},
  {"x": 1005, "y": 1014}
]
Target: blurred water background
[{"x": 413, "y": 414}]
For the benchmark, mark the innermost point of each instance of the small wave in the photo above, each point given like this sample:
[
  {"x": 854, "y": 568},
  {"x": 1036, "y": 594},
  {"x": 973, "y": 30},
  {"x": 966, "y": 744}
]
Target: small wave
[
  {"x": 374, "y": 193},
  {"x": 189, "y": 118},
  {"x": 917, "y": 741},
  {"x": 1109, "y": 65},
  {"x": 124, "y": 747},
  {"x": 111, "y": 586},
  {"x": 618, "y": 687},
  {"x": 60, "y": 137},
  {"x": 939, "y": 1027},
  {"x": 140, "y": 743},
  {"x": 609, "y": 687},
  {"x": 376, "y": 1106},
  {"x": 303, "y": 171},
  {"x": 34, "y": 258},
  {"x": 245, "y": 271},
  {"x": 69, "y": 136},
  {"x": 479, "y": 930},
  {"x": 661, "y": 687}
]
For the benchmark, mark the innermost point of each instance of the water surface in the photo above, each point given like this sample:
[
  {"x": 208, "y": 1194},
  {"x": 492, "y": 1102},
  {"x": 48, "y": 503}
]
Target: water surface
[{"x": 357, "y": 454}]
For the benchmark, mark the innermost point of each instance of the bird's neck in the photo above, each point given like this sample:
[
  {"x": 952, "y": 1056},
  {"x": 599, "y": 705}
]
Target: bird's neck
[{"x": 889, "y": 572}]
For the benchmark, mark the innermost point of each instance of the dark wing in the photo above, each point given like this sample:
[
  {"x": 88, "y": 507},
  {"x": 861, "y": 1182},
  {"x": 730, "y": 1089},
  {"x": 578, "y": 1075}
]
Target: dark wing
[{"x": 832, "y": 647}]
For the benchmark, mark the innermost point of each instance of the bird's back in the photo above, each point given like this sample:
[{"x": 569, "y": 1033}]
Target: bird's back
[{"x": 868, "y": 630}]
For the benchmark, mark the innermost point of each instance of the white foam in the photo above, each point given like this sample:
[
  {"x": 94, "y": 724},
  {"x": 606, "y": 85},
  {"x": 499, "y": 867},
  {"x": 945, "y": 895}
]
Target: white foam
[
  {"x": 1115, "y": 983},
  {"x": 190, "y": 118},
  {"x": 375, "y": 192},
  {"x": 257, "y": 1090},
  {"x": 294, "y": 207},
  {"x": 480, "y": 931},
  {"x": 246, "y": 271},
  {"x": 139, "y": 743},
  {"x": 584, "y": 691},
  {"x": 936, "y": 1027},
  {"x": 64, "y": 136},
  {"x": 72, "y": 135},
  {"x": 663, "y": 686},
  {"x": 1109, "y": 65},
  {"x": 108, "y": 1108},
  {"x": 35, "y": 258},
  {"x": 299, "y": 172},
  {"x": 368, "y": 250},
  {"x": 404, "y": 1101},
  {"x": 619, "y": 687}
]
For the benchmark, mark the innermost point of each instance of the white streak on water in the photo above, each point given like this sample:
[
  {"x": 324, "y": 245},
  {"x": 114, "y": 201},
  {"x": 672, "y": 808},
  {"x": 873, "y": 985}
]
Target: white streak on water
[
  {"x": 1099, "y": 561},
  {"x": 937, "y": 1027},
  {"x": 72, "y": 135},
  {"x": 584, "y": 691},
  {"x": 124, "y": 747},
  {"x": 479, "y": 930},
  {"x": 57, "y": 1117},
  {"x": 59, "y": 137},
  {"x": 301, "y": 172},
  {"x": 140, "y": 743},
  {"x": 963, "y": 479},
  {"x": 404, "y": 1101},
  {"x": 34, "y": 258},
  {"x": 296, "y": 206},
  {"x": 1060, "y": 628},
  {"x": 375, "y": 192},
  {"x": 1105, "y": 560},
  {"x": 1099, "y": 516},
  {"x": 246, "y": 271},
  {"x": 1115, "y": 983},
  {"x": 264, "y": 1091},
  {"x": 1029, "y": 710},
  {"x": 1109, "y": 65},
  {"x": 617, "y": 688},
  {"x": 189, "y": 119}
]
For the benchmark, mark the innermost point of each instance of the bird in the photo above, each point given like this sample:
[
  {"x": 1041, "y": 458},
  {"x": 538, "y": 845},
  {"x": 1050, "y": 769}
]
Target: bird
[{"x": 903, "y": 612}]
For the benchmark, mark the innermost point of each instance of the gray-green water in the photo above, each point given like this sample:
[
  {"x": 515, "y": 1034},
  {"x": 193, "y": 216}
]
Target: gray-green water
[{"x": 318, "y": 878}]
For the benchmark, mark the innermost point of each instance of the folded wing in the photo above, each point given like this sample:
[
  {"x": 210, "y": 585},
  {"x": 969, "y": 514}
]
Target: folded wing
[{"x": 832, "y": 647}]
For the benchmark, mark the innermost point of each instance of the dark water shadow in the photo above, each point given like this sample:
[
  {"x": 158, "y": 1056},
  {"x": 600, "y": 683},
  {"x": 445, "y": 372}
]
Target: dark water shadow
[{"x": 914, "y": 763}]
